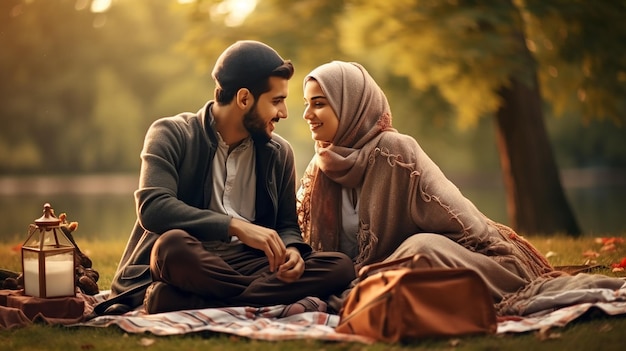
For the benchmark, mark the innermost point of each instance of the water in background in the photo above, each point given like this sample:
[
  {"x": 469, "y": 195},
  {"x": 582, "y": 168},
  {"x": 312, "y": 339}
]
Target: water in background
[
  {"x": 99, "y": 216},
  {"x": 104, "y": 205}
]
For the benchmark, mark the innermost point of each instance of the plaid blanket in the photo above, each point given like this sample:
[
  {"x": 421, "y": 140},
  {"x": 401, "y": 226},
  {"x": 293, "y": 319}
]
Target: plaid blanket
[
  {"x": 559, "y": 317},
  {"x": 254, "y": 323},
  {"x": 264, "y": 322}
]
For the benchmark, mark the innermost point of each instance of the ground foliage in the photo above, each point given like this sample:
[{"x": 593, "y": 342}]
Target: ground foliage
[{"x": 582, "y": 335}]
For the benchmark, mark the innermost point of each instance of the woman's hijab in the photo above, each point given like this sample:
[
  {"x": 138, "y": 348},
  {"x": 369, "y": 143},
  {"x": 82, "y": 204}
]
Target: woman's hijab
[{"x": 363, "y": 112}]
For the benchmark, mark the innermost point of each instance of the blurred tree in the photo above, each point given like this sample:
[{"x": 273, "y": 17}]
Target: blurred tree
[
  {"x": 475, "y": 59},
  {"x": 583, "y": 64},
  {"x": 79, "y": 87},
  {"x": 474, "y": 53},
  {"x": 42, "y": 63},
  {"x": 113, "y": 133}
]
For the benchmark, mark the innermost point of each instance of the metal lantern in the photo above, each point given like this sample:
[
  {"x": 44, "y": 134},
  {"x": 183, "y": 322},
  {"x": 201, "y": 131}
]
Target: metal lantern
[{"x": 48, "y": 259}]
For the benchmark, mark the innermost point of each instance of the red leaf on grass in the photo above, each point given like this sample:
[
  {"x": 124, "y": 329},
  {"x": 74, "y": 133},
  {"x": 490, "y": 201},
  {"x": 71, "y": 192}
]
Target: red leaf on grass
[
  {"x": 611, "y": 240},
  {"x": 608, "y": 247},
  {"x": 622, "y": 264},
  {"x": 590, "y": 254}
]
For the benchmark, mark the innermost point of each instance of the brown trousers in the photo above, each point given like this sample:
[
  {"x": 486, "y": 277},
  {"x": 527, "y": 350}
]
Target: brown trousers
[{"x": 234, "y": 274}]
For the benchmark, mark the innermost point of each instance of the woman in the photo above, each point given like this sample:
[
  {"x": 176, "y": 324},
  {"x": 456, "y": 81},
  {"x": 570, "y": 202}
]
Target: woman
[{"x": 374, "y": 194}]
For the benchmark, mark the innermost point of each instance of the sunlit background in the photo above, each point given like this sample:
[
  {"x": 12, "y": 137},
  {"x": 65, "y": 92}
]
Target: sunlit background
[{"x": 83, "y": 79}]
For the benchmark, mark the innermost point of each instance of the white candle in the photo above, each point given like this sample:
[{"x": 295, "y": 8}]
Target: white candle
[{"x": 59, "y": 277}]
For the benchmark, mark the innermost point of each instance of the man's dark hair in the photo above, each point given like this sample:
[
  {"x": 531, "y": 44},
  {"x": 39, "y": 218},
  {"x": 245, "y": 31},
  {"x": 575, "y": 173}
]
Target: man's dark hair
[
  {"x": 224, "y": 96},
  {"x": 247, "y": 64}
]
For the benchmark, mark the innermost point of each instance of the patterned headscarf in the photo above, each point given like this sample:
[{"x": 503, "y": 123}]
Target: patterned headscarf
[{"x": 363, "y": 113}]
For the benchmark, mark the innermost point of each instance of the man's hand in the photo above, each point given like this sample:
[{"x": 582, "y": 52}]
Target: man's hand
[
  {"x": 264, "y": 239},
  {"x": 292, "y": 269}
]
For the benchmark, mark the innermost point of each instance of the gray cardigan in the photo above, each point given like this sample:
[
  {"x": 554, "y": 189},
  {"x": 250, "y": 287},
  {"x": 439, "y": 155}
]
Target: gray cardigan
[{"x": 175, "y": 191}]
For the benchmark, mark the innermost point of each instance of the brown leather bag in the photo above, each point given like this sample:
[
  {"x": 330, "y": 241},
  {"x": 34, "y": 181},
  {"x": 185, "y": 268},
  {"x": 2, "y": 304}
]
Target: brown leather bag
[{"x": 399, "y": 303}]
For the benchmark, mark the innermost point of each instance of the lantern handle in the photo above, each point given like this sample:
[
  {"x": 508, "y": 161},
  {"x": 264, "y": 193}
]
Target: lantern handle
[{"x": 48, "y": 219}]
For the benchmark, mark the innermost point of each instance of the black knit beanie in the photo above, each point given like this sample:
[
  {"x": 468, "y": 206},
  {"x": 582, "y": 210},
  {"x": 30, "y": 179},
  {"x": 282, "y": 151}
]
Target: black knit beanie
[{"x": 244, "y": 64}]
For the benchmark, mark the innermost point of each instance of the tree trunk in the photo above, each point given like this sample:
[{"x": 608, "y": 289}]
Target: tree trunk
[{"x": 536, "y": 202}]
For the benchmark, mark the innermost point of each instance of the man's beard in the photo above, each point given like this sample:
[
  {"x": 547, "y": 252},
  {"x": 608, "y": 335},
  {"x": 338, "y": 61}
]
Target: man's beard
[{"x": 255, "y": 125}]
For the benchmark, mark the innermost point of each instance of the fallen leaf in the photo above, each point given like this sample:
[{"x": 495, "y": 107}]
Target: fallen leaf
[
  {"x": 551, "y": 254},
  {"x": 608, "y": 247},
  {"x": 591, "y": 254},
  {"x": 611, "y": 240},
  {"x": 622, "y": 264},
  {"x": 545, "y": 334},
  {"x": 454, "y": 342},
  {"x": 146, "y": 342},
  {"x": 590, "y": 262},
  {"x": 605, "y": 328}
]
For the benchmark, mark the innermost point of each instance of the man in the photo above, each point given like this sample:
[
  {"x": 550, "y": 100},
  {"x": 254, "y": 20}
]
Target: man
[{"x": 216, "y": 213}]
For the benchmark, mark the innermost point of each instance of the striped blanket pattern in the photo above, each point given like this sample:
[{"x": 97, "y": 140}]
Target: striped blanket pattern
[
  {"x": 264, "y": 323},
  {"x": 250, "y": 322}
]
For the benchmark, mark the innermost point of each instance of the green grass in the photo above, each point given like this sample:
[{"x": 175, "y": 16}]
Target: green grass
[{"x": 599, "y": 332}]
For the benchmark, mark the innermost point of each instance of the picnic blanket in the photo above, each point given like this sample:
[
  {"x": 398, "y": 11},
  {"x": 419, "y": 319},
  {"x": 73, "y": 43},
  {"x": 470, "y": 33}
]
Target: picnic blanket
[
  {"x": 252, "y": 322},
  {"x": 265, "y": 323},
  {"x": 557, "y": 310}
]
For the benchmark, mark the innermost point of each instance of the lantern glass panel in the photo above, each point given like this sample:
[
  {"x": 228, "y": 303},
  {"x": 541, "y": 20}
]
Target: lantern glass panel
[
  {"x": 57, "y": 269},
  {"x": 47, "y": 238}
]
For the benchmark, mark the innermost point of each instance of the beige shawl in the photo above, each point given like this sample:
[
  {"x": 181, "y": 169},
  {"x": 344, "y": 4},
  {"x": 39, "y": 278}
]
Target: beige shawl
[{"x": 403, "y": 191}]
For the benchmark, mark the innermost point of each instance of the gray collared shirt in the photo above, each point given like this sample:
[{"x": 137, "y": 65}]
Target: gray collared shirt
[{"x": 234, "y": 180}]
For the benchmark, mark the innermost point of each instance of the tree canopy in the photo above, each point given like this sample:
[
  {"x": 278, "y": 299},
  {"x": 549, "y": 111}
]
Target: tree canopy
[{"x": 81, "y": 86}]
